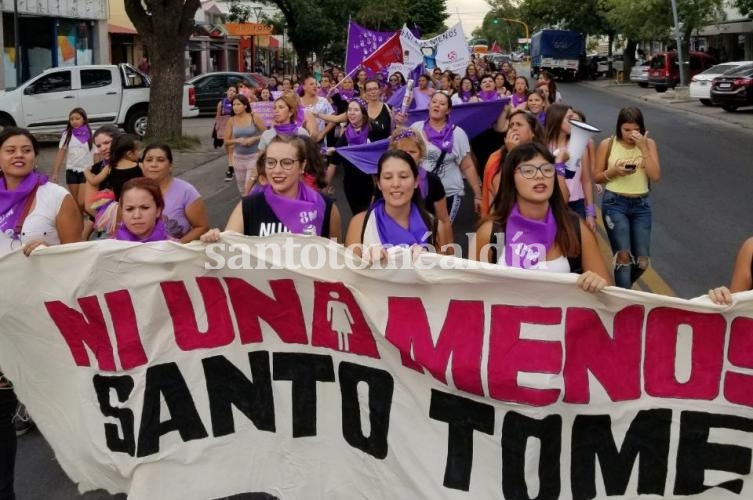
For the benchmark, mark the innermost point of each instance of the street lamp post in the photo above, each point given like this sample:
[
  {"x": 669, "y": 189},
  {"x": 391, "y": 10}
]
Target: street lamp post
[
  {"x": 17, "y": 42},
  {"x": 678, "y": 37}
]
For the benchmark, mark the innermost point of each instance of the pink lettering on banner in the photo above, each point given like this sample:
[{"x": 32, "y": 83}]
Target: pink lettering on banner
[
  {"x": 509, "y": 354},
  {"x": 188, "y": 337},
  {"x": 82, "y": 330},
  {"x": 461, "y": 336},
  {"x": 707, "y": 355},
  {"x": 614, "y": 360},
  {"x": 337, "y": 314},
  {"x": 738, "y": 387},
  {"x": 130, "y": 349},
  {"x": 282, "y": 312},
  {"x": 265, "y": 110}
]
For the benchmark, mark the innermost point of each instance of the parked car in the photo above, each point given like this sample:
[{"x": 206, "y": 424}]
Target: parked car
[
  {"x": 639, "y": 74},
  {"x": 110, "y": 94},
  {"x": 603, "y": 65},
  {"x": 734, "y": 88},
  {"x": 664, "y": 72},
  {"x": 700, "y": 84},
  {"x": 211, "y": 87}
]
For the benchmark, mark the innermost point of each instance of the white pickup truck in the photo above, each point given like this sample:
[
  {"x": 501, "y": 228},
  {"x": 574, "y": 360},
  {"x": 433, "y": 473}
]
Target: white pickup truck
[{"x": 115, "y": 94}]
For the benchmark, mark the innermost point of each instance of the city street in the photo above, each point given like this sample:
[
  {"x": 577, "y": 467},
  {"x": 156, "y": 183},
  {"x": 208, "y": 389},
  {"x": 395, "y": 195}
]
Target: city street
[{"x": 699, "y": 207}]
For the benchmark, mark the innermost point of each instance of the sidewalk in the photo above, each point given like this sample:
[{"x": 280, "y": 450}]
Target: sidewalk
[{"x": 677, "y": 99}]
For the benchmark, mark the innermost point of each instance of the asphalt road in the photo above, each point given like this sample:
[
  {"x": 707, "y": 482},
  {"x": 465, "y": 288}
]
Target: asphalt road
[{"x": 700, "y": 218}]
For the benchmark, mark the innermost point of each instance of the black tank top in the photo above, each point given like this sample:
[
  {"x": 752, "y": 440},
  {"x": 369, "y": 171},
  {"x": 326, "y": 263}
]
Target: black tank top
[{"x": 260, "y": 220}]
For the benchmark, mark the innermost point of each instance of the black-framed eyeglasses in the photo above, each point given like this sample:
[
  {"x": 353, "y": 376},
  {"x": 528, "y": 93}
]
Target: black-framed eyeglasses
[
  {"x": 528, "y": 170},
  {"x": 285, "y": 163}
]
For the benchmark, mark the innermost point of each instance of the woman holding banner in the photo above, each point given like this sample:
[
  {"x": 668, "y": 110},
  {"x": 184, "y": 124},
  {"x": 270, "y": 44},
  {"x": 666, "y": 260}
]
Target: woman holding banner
[
  {"x": 466, "y": 93},
  {"x": 448, "y": 153},
  {"x": 531, "y": 227},
  {"x": 742, "y": 277},
  {"x": 397, "y": 217},
  {"x": 33, "y": 213},
  {"x": 285, "y": 203}
]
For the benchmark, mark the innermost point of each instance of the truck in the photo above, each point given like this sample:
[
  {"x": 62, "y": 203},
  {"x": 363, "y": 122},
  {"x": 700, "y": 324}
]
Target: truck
[
  {"x": 109, "y": 93},
  {"x": 557, "y": 51}
]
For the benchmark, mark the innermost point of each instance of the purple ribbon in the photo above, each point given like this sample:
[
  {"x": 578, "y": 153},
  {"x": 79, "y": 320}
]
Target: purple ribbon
[{"x": 298, "y": 214}]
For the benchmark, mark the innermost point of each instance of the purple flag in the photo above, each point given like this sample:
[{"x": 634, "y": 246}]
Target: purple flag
[
  {"x": 472, "y": 117},
  {"x": 365, "y": 156},
  {"x": 362, "y": 43}
]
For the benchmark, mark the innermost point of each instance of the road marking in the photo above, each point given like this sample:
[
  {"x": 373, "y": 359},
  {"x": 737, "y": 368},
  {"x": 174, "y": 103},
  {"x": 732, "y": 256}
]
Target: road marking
[{"x": 651, "y": 281}]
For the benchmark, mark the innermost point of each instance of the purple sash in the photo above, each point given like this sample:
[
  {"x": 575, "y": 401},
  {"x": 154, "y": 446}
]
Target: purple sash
[
  {"x": 159, "y": 233},
  {"x": 442, "y": 139},
  {"x": 392, "y": 233},
  {"x": 528, "y": 240},
  {"x": 300, "y": 213},
  {"x": 12, "y": 202}
]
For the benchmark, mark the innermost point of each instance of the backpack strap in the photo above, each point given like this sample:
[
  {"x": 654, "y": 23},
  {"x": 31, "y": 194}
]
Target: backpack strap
[
  {"x": 576, "y": 262},
  {"x": 27, "y": 208},
  {"x": 365, "y": 221}
]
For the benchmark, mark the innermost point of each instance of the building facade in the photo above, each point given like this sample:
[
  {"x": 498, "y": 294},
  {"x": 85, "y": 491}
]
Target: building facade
[{"x": 730, "y": 39}]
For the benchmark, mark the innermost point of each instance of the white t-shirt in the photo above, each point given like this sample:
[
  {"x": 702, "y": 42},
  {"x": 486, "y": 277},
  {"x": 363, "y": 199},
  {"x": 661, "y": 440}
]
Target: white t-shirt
[
  {"x": 40, "y": 222},
  {"x": 79, "y": 155},
  {"x": 449, "y": 174},
  {"x": 323, "y": 107}
]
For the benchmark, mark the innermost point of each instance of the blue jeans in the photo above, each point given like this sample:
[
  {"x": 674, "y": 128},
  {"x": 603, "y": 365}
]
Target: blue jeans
[{"x": 628, "y": 224}]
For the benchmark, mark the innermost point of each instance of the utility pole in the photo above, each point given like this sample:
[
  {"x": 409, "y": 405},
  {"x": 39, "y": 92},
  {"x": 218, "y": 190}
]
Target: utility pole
[{"x": 678, "y": 38}]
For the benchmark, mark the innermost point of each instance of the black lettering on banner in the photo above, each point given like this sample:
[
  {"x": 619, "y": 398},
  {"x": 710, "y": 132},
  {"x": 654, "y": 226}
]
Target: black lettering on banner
[
  {"x": 123, "y": 386},
  {"x": 647, "y": 437},
  {"x": 166, "y": 381},
  {"x": 463, "y": 416},
  {"x": 227, "y": 386},
  {"x": 695, "y": 454},
  {"x": 516, "y": 429},
  {"x": 304, "y": 371},
  {"x": 381, "y": 386}
]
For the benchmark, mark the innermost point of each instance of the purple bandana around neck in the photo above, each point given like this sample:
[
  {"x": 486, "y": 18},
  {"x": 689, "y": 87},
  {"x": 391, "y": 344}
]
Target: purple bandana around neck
[
  {"x": 392, "y": 233},
  {"x": 227, "y": 107},
  {"x": 423, "y": 182},
  {"x": 488, "y": 95},
  {"x": 82, "y": 134},
  {"x": 159, "y": 233},
  {"x": 347, "y": 94},
  {"x": 542, "y": 118},
  {"x": 442, "y": 139},
  {"x": 287, "y": 129},
  {"x": 12, "y": 202},
  {"x": 465, "y": 96},
  {"x": 300, "y": 213},
  {"x": 521, "y": 234},
  {"x": 517, "y": 100},
  {"x": 356, "y": 137}
]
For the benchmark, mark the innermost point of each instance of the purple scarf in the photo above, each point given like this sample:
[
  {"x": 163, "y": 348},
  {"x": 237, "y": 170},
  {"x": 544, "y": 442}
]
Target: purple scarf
[
  {"x": 522, "y": 234},
  {"x": 488, "y": 95},
  {"x": 12, "y": 202},
  {"x": 542, "y": 118},
  {"x": 442, "y": 139},
  {"x": 82, "y": 134},
  {"x": 465, "y": 96},
  {"x": 423, "y": 182},
  {"x": 227, "y": 107},
  {"x": 300, "y": 213},
  {"x": 392, "y": 233},
  {"x": 518, "y": 100},
  {"x": 159, "y": 233},
  {"x": 347, "y": 94},
  {"x": 355, "y": 137},
  {"x": 287, "y": 129}
]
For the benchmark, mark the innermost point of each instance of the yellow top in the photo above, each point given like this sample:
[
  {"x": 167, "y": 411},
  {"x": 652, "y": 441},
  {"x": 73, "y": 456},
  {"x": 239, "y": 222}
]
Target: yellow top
[{"x": 633, "y": 184}]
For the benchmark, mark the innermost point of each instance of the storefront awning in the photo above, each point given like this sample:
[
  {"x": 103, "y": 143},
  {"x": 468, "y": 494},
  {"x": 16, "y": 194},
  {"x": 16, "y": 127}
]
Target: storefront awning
[{"x": 114, "y": 29}]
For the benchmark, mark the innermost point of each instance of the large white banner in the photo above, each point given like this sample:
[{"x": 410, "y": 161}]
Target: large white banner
[
  {"x": 446, "y": 51},
  {"x": 184, "y": 372}
]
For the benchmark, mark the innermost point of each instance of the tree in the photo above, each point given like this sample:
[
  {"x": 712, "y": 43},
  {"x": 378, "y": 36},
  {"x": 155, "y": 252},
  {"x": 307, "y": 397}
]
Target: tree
[
  {"x": 165, "y": 27},
  {"x": 745, "y": 7},
  {"x": 428, "y": 16},
  {"x": 239, "y": 13},
  {"x": 495, "y": 28}
]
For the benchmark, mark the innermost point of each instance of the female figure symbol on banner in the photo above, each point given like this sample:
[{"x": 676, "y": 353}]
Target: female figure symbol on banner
[{"x": 340, "y": 320}]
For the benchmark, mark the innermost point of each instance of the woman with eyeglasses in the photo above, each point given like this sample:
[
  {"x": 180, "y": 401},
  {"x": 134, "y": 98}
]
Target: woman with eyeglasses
[
  {"x": 285, "y": 204},
  {"x": 448, "y": 153},
  {"x": 531, "y": 227}
]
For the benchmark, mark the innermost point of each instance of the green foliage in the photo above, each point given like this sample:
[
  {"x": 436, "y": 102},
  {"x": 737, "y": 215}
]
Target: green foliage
[
  {"x": 495, "y": 27},
  {"x": 745, "y": 7},
  {"x": 585, "y": 16},
  {"x": 427, "y": 15},
  {"x": 239, "y": 13}
]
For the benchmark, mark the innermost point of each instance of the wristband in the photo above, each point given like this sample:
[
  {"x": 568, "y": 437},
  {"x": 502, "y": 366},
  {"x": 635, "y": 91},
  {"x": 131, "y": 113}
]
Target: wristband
[
  {"x": 560, "y": 168},
  {"x": 606, "y": 176},
  {"x": 590, "y": 210}
]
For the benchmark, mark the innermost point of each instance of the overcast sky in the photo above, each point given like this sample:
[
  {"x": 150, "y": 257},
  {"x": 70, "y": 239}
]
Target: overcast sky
[{"x": 471, "y": 13}]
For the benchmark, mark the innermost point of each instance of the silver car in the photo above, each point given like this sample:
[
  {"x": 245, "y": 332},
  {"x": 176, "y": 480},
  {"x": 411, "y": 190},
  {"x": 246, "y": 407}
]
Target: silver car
[
  {"x": 700, "y": 84},
  {"x": 639, "y": 74}
]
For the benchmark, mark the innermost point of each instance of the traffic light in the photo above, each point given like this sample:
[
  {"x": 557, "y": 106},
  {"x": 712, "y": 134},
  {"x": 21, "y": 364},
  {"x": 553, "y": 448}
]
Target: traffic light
[{"x": 495, "y": 21}]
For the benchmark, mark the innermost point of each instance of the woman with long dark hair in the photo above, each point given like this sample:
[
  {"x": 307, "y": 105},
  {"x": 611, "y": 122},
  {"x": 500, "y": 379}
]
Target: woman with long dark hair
[{"x": 531, "y": 227}]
